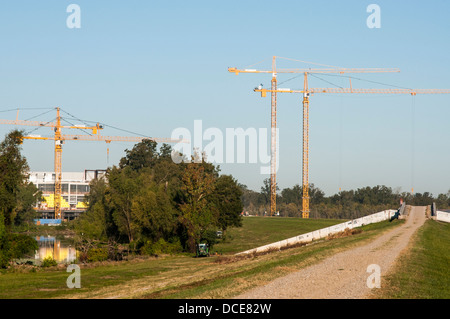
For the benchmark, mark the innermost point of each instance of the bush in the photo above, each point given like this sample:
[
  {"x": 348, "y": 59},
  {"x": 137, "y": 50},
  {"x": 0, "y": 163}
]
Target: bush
[
  {"x": 5, "y": 251},
  {"x": 22, "y": 245},
  {"x": 48, "y": 262},
  {"x": 160, "y": 247},
  {"x": 15, "y": 246},
  {"x": 97, "y": 254},
  {"x": 210, "y": 237},
  {"x": 4, "y": 259}
]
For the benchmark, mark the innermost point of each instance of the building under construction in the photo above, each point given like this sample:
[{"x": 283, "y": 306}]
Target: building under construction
[{"x": 74, "y": 188}]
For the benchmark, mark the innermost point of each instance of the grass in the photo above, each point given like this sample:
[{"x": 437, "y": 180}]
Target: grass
[
  {"x": 187, "y": 277},
  {"x": 423, "y": 272},
  {"x": 51, "y": 282},
  {"x": 259, "y": 231}
]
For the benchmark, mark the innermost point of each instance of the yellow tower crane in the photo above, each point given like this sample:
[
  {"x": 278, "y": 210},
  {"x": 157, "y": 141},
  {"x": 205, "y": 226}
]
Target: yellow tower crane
[
  {"x": 59, "y": 139},
  {"x": 274, "y": 90},
  {"x": 306, "y": 94}
]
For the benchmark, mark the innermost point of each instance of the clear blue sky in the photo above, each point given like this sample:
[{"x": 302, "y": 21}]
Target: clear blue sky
[{"x": 153, "y": 66}]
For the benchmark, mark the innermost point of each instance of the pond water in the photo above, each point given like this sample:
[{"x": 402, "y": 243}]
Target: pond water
[{"x": 61, "y": 250}]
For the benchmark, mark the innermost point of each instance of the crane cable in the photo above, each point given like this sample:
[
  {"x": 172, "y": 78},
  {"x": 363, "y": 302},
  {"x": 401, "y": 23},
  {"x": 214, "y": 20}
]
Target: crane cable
[
  {"x": 28, "y": 119},
  {"x": 104, "y": 124},
  {"x": 413, "y": 111}
]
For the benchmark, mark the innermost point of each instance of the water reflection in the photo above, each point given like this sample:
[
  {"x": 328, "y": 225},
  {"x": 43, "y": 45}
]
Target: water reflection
[{"x": 50, "y": 246}]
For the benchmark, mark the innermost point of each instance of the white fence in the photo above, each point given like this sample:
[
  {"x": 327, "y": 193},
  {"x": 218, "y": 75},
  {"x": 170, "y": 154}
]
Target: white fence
[
  {"x": 443, "y": 216},
  {"x": 324, "y": 232}
]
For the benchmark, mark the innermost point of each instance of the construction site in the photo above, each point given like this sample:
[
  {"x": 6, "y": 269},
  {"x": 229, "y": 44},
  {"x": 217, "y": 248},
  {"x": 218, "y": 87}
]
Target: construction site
[
  {"x": 64, "y": 193},
  {"x": 322, "y": 171},
  {"x": 74, "y": 188}
]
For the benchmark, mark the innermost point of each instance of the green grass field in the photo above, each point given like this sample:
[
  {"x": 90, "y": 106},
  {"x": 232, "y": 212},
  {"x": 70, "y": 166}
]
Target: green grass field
[
  {"x": 225, "y": 276},
  {"x": 259, "y": 231}
]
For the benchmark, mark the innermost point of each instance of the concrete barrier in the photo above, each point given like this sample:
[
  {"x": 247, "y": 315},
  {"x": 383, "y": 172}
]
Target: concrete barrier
[
  {"x": 443, "y": 216},
  {"x": 324, "y": 232}
]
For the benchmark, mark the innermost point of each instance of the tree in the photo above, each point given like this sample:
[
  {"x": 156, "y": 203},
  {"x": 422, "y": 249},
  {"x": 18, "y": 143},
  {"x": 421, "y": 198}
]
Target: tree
[
  {"x": 154, "y": 204},
  {"x": 124, "y": 184},
  {"x": 153, "y": 212},
  {"x": 27, "y": 196},
  {"x": 197, "y": 211},
  {"x": 265, "y": 190},
  {"x": 292, "y": 195},
  {"x": 13, "y": 175},
  {"x": 142, "y": 155},
  {"x": 316, "y": 195},
  {"x": 442, "y": 201},
  {"x": 5, "y": 254},
  {"x": 374, "y": 195},
  {"x": 227, "y": 198},
  {"x": 165, "y": 151},
  {"x": 16, "y": 195},
  {"x": 424, "y": 199},
  {"x": 97, "y": 222}
]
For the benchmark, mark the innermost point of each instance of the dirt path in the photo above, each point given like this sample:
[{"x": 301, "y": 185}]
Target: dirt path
[{"x": 345, "y": 274}]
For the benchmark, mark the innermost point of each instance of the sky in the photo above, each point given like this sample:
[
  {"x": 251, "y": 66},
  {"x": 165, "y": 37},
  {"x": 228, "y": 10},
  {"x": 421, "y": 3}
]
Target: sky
[{"x": 150, "y": 67}]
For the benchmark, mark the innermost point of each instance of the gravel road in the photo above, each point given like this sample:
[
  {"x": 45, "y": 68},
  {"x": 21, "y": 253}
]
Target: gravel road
[{"x": 344, "y": 275}]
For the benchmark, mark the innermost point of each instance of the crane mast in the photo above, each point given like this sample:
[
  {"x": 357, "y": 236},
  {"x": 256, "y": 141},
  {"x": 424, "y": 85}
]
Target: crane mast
[
  {"x": 58, "y": 165},
  {"x": 273, "y": 141},
  {"x": 305, "y": 154}
]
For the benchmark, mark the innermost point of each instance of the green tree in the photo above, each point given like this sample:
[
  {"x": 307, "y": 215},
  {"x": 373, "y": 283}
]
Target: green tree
[
  {"x": 143, "y": 154},
  {"x": 153, "y": 211},
  {"x": 97, "y": 222},
  {"x": 16, "y": 195},
  {"x": 424, "y": 199},
  {"x": 442, "y": 201},
  {"x": 165, "y": 151},
  {"x": 292, "y": 195},
  {"x": 374, "y": 195},
  {"x": 13, "y": 175},
  {"x": 227, "y": 198},
  {"x": 27, "y": 196},
  {"x": 197, "y": 211},
  {"x": 5, "y": 254},
  {"x": 93, "y": 223},
  {"x": 316, "y": 195},
  {"x": 124, "y": 184},
  {"x": 265, "y": 190},
  {"x": 156, "y": 205}
]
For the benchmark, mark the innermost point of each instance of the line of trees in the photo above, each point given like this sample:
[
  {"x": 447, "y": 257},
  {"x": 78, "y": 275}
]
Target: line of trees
[
  {"x": 154, "y": 205},
  {"x": 345, "y": 204}
]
